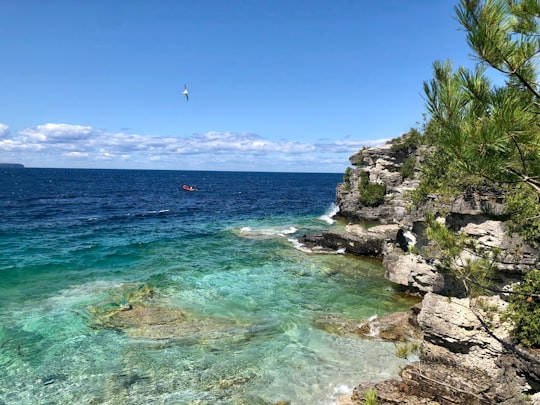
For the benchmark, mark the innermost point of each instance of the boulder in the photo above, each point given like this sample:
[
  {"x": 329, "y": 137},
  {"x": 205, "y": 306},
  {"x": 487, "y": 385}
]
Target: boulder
[
  {"x": 412, "y": 272},
  {"x": 432, "y": 384},
  {"x": 452, "y": 324},
  {"x": 389, "y": 392},
  {"x": 396, "y": 327},
  {"x": 455, "y": 333},
  {"x": 360, "y": 240}
]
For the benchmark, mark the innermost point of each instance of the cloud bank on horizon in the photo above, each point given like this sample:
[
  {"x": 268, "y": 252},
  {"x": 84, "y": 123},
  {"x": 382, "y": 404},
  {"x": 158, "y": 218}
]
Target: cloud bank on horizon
[{"x": 77, "y": 146}]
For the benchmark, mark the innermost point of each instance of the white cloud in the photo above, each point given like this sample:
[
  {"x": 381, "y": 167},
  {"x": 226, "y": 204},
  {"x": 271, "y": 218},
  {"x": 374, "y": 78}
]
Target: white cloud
[
  {"x": 77, "y": 154},
  {"x": 377, "y": 142},
  {"x": 3, "y": 130},
  {"x": 58, "y": 133},
  {"x": 82, "y": 146}
]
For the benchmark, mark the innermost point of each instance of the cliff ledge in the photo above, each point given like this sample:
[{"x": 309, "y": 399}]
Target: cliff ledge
[{"x": 466, "y": 355}]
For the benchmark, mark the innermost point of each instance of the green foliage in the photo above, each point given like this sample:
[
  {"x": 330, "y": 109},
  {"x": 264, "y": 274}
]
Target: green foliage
[
  {"x": 441, "y": 176},
  {"x": 371, "y": 397},
  {"x": 372, "y": 195},
  {"x": 407, "y": 167},
  {"x": 486, "y": 134},
  {"x": 411, "y": 139},
  {"x": 474, "y": 269},
  {"x": 364, "y": 179},
  {"x": 480, "y": 135},
  {"x": 524, "y": 310},
  {"x": 405, "y": 350},
  {"x": 489, "y": 310},
  {"x": 347, "y": 178},
  {"x": 523, "y": 207}
]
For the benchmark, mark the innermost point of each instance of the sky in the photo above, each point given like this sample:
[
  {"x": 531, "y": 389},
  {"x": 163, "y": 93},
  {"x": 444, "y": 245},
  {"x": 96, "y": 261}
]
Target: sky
[{"x": 274, "y": 85}]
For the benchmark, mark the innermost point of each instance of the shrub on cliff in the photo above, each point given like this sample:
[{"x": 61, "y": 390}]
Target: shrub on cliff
[
  {"x": 407, "y": 167},
  {"x": 410, "y": 140},
  {"x": 474, "y": 270},
  {"x": 371, "y": 194},
  {"x": 347, "y": 178},
  {"x": 524, "y": 310}
]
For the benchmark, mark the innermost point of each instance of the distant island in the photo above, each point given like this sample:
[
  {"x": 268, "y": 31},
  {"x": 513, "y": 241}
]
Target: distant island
[{"x": 11, "y": 166}]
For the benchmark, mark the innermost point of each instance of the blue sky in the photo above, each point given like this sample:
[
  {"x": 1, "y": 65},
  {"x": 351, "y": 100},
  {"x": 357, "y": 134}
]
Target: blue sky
[{"x": 280, "y": 85}]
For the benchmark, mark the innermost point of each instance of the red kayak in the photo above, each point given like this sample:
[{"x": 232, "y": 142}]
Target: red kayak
[{"x": 188, "y": 188}]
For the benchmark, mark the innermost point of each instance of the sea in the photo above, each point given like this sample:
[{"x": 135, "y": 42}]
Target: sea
[{"x": 120, "y": 287}]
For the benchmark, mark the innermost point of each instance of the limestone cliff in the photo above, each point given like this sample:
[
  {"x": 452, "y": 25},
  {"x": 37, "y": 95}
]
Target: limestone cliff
[
  {"x": 382, "y": 165},
  {"x": 461, "y": 360}
]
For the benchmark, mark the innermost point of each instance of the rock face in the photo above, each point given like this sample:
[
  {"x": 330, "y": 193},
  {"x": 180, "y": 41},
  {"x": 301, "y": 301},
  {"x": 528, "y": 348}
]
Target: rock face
[
  {"x": 517, "y": 256},
  {"x": 360, "y": 240},
  {"x": 462, "y": 361},
  {"x": 413, "y": 273},
  {"x": 382, "y": 165}
]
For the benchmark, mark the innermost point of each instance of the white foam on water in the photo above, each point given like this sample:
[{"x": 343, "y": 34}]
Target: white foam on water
[
  {"x": 299, "y": 246},
  {"x": 373, "y": 326},
  {"x": 80, "y": 292},
  {"x": 316, "y": 249},
  {"x": 288, "y": 231},
  {"x": 263, "y": 233},
  {"x": 339, "y": 390},
  {"x": 329, "y": 215},
  {"x": 342, "y": 389}
]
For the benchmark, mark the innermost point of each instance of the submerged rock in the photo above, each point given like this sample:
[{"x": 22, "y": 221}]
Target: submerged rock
[
  {"x": 138, "y": 313},
  {"x": 395, "y": 327}
]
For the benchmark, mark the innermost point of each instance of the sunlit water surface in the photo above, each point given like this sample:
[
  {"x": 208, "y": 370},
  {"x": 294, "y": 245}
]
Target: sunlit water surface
[{"x": 233, "y": 302}]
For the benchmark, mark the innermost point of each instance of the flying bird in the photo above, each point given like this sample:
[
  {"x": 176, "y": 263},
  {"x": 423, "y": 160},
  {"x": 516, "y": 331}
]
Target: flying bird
[{"x": 185, "y": 92}]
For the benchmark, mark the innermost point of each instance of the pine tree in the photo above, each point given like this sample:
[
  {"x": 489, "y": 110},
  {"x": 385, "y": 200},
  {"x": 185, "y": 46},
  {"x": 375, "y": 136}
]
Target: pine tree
[
  {"x": 492, "y": 133},
  {"x": 489, "y": 135}
]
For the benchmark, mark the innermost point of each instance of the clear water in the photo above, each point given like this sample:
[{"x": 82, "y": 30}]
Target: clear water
[{"x": 72, "y": 241}]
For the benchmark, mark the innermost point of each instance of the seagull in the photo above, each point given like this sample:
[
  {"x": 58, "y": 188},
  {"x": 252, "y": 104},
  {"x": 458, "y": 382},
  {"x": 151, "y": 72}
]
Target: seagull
[{"x": 185, "y": 92}]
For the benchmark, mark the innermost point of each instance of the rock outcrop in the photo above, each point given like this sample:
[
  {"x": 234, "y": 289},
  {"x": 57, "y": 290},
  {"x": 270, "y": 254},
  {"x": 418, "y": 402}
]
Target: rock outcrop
[
  {"x": 382, "y": 164},
  {"x": 460, "y": 361},
  {"x": 467, "y": 355},
  {"x": 360, "y": 240},
  {"x": 413, "y": 273}
]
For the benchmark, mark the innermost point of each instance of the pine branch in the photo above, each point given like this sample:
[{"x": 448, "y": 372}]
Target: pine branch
[
  {"x": 526, "y": 179},
  {"x": 499, "y": 291}
]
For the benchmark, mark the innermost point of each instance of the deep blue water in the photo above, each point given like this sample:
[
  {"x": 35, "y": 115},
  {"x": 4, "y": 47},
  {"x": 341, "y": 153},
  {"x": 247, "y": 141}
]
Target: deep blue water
[{"x": 73, "y": 242}]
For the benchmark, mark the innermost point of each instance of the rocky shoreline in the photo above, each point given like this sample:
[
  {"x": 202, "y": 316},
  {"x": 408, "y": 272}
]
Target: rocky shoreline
[{"x": 461, "y": 359}]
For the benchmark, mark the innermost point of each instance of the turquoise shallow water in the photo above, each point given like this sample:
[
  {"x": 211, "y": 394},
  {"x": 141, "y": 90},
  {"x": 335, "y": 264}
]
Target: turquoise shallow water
[{"x": 233, "y": 309}]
